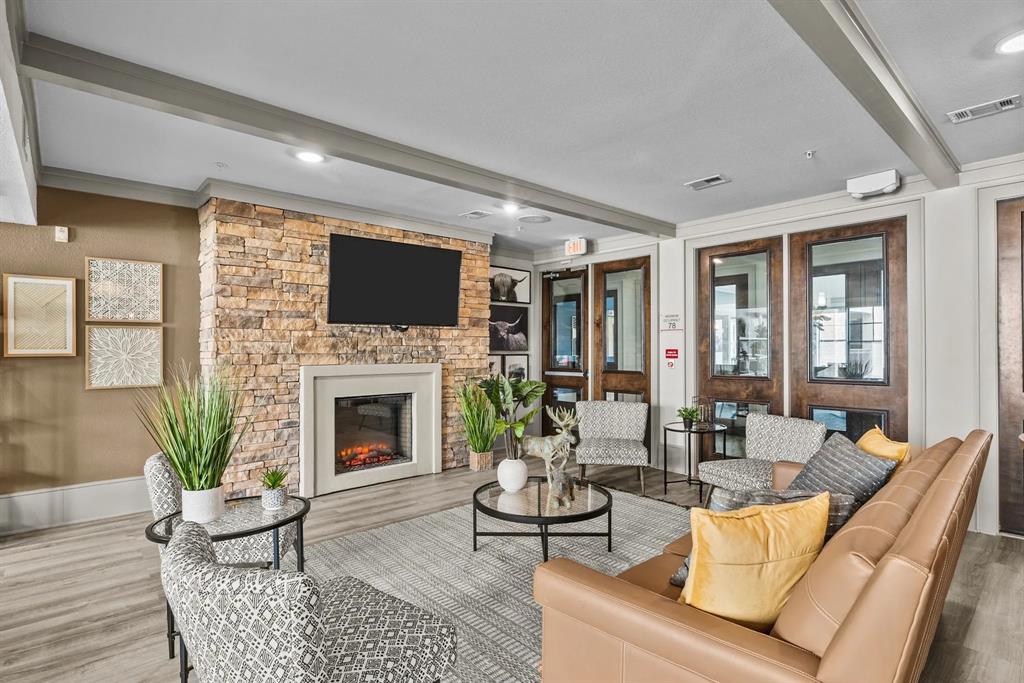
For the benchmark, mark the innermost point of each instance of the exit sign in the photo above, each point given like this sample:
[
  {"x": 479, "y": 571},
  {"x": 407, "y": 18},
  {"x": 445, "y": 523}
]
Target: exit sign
[{"x": 576, "y": 247}]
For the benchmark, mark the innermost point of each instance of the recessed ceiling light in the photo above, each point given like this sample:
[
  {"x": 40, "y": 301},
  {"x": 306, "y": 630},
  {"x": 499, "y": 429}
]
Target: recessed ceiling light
[
  {"x": 534, "y": 218},
  {"x": 1011, "y": 44},
  {"x": 309, "y": 157},
  {"x": 509, "y": 207}
]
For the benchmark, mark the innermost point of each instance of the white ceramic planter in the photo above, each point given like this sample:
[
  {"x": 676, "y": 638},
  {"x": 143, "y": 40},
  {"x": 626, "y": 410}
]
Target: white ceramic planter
[
  {"x": 202, "y": 506},
  {"x": 273, "y": 499},
  {"x": 512, "y": 475}
]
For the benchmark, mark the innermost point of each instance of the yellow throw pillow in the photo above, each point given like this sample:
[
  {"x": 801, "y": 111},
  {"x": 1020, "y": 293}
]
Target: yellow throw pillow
[
  {"x": 745, "y": 563},
  {"x": 879, "y": 445}
]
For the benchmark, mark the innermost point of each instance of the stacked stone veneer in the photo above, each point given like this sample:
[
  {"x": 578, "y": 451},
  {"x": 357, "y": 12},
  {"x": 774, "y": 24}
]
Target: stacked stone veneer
[{"x": 263, "y": 283}]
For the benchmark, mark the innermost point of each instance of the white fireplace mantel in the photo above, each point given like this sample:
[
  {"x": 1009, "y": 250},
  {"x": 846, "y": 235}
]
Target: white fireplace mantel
[{"x": 320, "y": 384}]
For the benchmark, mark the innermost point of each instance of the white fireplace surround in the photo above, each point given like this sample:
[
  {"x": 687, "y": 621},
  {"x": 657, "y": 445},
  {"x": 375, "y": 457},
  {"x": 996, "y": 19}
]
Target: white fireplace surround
[{"x": 319, "y": 385}]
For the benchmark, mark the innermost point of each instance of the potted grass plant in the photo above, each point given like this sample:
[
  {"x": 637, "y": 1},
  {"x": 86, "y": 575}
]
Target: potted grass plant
[
  {"x": 195, "y": 421},
  {"x": 481, "y": 423},
  {"x": 509, "y": 397},
  {"x": 274, "y": 492},
  {"x": 688, "y": 414}
]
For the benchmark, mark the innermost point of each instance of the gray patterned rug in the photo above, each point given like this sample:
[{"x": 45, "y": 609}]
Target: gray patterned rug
[{"x": 429, "y": 561}]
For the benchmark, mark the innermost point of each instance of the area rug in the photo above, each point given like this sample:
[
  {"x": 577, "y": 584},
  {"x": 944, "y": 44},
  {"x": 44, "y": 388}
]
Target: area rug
[{"x": 488, "y": 594}]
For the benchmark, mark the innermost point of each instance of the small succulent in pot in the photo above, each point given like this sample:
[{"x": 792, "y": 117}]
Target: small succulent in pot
[
  {"x": 688, "y": 414},
  {"x": 274, "y": 491}
]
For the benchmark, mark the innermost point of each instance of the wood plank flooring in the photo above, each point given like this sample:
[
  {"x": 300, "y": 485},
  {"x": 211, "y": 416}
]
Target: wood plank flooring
[{"x": 84, "y": 603}]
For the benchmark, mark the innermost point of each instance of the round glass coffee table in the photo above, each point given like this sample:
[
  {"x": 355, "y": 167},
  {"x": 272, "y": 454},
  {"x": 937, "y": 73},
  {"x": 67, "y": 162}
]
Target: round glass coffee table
[
  {"x": 530, "y": 505},
  {"x": 245, "y": 517}
]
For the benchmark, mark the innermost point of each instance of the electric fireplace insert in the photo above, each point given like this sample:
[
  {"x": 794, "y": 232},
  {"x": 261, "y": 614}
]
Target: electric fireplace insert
[{"x": 372, "y": 431}]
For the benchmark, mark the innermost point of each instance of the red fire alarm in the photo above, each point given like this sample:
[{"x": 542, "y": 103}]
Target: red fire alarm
[{"x": 671, "y": 353}]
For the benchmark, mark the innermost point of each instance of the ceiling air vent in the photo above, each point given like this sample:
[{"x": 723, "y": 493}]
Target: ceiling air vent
[
  {"x": 474, "y": 215},
  {"x": 709, "y": 181},
  {"x": 986, "y": 109}
]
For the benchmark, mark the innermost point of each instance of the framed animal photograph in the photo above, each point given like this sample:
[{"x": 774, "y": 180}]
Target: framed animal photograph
[
  {"x": 119, "y": 357},
  {"x": 517, "y": 366},
  {"x": 494, "y": 366},
  {"x": 509, "y": 328},
  {"x": 39, "y": 316},
  {"x": 510, "y": 285},
  {"x": 123, "y": 291}
]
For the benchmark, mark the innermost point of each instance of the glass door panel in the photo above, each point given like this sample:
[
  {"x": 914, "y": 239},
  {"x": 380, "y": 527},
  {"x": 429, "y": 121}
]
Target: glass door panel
[
  {"x": 622, "y": 314},
  {"x": 739, "y": 309},
  {"x": 733, "y": 414},
  {"x": 851, "y": 423},
  {"x": 565, "y": 340}
]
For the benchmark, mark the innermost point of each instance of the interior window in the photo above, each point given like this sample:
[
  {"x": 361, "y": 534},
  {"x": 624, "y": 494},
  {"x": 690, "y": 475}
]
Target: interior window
[
  {"x": 848, "y": 340},
  {"x": 739, "y": 315},
  {"x": 624, "y": 320},
  {"x": 566, "y": 302}
]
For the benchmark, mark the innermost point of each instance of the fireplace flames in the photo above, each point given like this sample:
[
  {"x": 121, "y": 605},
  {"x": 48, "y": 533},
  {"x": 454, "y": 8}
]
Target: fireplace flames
[{"x": 367, "y": 454}]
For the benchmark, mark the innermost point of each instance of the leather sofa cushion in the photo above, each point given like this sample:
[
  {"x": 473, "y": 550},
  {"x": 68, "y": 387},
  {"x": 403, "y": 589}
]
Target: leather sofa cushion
[
  {"x": 654, "y": 575},
  {"x": 829, "y": 589},
  {"x": 681, "y": 546}
]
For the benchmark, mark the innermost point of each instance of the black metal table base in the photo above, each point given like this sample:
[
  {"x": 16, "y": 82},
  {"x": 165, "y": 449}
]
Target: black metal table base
[
  {"x": 689, "y": 481},
  {"x": 544, "y": 534}
]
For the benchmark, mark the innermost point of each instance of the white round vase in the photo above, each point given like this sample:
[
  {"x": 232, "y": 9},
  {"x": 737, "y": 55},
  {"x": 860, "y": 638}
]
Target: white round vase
[
  {"x": 202, "y": 506},
  {"x": 512, "y": 475}
]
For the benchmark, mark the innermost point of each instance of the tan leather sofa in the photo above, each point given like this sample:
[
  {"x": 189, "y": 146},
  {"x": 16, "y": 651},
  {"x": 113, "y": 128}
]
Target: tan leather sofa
[{"x": 865, "y": 612}]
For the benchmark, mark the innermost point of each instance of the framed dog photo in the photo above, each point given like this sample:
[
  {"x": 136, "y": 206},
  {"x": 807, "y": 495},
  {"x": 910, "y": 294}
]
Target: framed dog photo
[
  {"x": 39, "y": 316},
  {"x": 509, "y": 328},
  {"x": 510, "y": 285},
  {"x": 517, "y": 366}
]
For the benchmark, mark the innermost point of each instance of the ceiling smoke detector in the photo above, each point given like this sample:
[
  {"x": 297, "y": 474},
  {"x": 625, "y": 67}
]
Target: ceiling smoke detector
[
  {"x": 475, "y": 215},
  {"x": 987, "y": 109},
  {"x": 534, "y": 218},
  {"x": 706, "y": 182}
]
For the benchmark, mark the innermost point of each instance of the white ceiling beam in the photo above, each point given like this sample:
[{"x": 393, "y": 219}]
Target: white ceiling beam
[
  {"x": 837, "y": 32},
  {"x": 17, "y": 157},
  {"x": 93, "y": 72}
]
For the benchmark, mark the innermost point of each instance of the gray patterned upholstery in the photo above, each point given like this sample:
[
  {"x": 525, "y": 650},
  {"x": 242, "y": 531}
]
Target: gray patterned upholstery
[
  {"x": 612, "y": 433},
  {"x": 770, "y": 438},
  {"x": 840, "y": 467},
  {"x": 165, "y": 497},
  {"x": 263, "y": 626}
]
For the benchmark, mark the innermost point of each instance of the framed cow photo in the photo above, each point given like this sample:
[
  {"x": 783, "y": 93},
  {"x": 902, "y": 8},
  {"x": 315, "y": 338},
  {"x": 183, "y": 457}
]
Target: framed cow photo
[
  {"x": 510, "y": 285},
  {"x": 509, "y": 328}
]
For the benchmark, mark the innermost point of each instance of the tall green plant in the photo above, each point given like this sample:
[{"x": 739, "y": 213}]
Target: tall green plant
[
  {"x": 194, "y": 421},
  {"x": 509, "y": 397},
  {"x": 479, "y": 418}
]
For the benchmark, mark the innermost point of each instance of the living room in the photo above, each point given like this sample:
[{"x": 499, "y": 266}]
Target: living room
[{"x": 548, "y": 341}]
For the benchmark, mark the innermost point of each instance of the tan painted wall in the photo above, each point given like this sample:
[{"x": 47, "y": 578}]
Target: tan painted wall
[{"x": 52, "y": 432}]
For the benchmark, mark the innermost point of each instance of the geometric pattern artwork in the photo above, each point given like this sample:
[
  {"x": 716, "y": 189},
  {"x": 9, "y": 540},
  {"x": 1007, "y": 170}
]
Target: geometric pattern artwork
[
  {"x": 39, "y": 316},
  {"x": 119, "y": 291},
  {"x": 119, "y": 357},
  {"x": 263, "y": 626},
  {"x": 490, "y": 598}
]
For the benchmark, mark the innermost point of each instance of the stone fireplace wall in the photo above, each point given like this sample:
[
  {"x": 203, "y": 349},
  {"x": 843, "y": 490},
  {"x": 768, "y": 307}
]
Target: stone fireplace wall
[{"x": 263, "y": 314}]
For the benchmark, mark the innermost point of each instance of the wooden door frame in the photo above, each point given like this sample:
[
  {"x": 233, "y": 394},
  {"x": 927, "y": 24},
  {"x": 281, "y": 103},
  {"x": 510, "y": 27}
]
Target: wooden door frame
[
  {"x": 635, "y": 381},
  {"x": 737, "y": 388},
  {"x": 805, "y": 392},
  {"x": 1010, "y": 361},
  {"x": 563, "y": 381}
]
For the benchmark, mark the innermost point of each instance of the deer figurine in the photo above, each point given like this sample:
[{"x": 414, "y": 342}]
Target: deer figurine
[{"x": 550, "y": 449}]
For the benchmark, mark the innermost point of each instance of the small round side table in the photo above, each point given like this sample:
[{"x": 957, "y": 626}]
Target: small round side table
[{"x": 696, "y": 429}]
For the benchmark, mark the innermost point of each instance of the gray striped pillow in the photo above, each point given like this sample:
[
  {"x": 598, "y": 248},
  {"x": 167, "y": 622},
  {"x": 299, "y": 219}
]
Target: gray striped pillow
[
  {"x": 840, "y": 505},
  {"x": 840, "y": 467}
]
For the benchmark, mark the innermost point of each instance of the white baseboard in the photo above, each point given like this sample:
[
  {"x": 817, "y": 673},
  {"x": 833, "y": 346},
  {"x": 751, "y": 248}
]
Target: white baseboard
[{"x": 43, "y": 508}]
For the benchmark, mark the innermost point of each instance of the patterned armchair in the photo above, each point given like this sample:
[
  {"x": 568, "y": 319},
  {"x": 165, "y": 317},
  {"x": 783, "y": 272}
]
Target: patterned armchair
[
  {"x": 165, "y": 498},
  {"x": 261, "y": 626},
  {"x": 612, "y": 433},
  {"x": 770, "y": 438}
]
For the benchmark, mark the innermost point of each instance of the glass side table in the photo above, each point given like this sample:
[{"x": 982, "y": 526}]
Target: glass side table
[
  {"x": 696, "y": 429},
  {"x": 245, "y": 517}
]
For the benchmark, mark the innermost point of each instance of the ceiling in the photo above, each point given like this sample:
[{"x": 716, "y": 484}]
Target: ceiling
[{"x": 618, "y": 102}]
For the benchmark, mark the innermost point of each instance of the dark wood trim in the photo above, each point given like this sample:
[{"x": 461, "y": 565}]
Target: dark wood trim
[
  {"x": 890, "y": 396},
  {"x": 766, "y": 390},
  {"x": 576, "y": 382},
  {"x": 1009, "y": 226},
  {"x": 619, "y": 380}
]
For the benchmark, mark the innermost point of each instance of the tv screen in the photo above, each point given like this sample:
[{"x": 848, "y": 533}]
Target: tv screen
[{"x": 374, "y": 282}]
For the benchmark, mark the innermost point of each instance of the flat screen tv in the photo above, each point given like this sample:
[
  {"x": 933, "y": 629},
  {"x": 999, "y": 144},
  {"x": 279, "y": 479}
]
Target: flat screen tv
[{"x": 375, "y": 282}]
